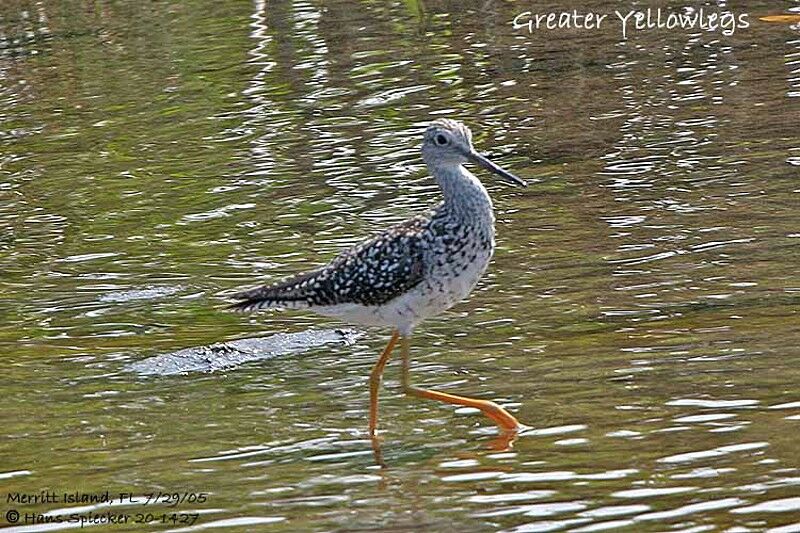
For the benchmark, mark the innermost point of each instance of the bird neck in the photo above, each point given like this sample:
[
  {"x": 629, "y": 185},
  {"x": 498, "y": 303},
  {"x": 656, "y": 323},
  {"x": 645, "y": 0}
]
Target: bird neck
[{"x": 464, "y": 194}]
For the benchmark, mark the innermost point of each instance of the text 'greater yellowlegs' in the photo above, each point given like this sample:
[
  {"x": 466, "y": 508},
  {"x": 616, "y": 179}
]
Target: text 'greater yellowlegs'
[{"x": 411, "y": 271}]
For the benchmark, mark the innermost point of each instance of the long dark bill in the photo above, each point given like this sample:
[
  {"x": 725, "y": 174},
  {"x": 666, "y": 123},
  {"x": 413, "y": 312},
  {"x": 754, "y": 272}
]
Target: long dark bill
[{"x": 481, "y": 160}]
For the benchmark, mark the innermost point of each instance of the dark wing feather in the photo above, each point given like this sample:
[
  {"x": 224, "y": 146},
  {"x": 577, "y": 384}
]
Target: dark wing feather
[{"x": 371, "y": 273}]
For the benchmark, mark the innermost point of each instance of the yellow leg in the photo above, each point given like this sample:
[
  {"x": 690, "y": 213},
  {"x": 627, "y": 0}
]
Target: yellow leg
[
  {"x": 375, "y": 383},
  {"x": 499, "y": 416}
]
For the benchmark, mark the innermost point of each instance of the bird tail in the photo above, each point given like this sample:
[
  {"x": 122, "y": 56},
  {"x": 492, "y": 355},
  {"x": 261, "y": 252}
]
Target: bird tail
[{"x": 292, "y": 293}]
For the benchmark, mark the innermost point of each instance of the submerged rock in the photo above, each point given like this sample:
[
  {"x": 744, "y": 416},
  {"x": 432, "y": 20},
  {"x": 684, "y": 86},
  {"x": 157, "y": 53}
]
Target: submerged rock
[
  {"x": 226, "y": 355},
  {"x": 147, "y": 293}
]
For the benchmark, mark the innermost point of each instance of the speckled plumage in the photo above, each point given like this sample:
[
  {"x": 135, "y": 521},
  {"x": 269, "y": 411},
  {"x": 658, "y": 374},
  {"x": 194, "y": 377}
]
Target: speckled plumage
[
  {"x": 413, "y": 270},
  {"x": 370, "y": 273}
]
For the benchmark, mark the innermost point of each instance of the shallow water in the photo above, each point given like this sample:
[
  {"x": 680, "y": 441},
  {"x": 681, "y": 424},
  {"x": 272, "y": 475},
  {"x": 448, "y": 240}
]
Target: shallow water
[{"x": 641, "y": 312}]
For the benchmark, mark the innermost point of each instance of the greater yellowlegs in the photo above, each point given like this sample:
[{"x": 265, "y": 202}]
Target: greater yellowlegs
[{"x": 411, "y": 271}]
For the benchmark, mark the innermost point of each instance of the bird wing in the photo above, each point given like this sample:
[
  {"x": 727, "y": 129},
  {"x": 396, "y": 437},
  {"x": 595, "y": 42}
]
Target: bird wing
[{"x": 371, "y": 273}]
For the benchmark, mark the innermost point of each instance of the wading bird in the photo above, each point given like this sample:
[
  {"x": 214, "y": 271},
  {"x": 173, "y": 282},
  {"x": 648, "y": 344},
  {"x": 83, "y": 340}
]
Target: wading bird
[{"x": 411, "y": 271}]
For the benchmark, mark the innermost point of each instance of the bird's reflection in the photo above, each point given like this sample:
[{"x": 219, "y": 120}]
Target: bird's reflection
[{"x": 499, "y": 443}]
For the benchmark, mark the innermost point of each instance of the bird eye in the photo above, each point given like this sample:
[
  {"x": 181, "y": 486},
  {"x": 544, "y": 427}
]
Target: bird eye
[{"x": 440, "y": 139}]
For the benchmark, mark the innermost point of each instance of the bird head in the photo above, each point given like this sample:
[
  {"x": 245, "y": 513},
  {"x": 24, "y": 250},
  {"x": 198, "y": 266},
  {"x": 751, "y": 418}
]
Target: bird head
[{"x": 449, "y": 142}]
